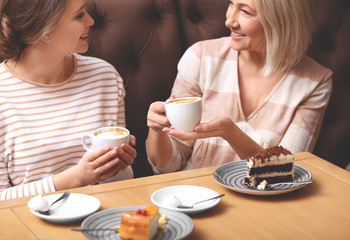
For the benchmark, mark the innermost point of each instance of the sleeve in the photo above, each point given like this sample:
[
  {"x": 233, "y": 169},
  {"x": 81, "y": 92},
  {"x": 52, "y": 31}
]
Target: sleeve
[
  {"x": 7, "y": 191},
  {"x": 303, "y": 131},
  {"x": 187, "y": 82},
  {"x": 121, "y": 101},
  {"x": 181, "y": 152}
]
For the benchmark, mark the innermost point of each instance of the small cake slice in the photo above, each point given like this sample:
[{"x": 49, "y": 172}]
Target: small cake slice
[
  {"x": 273, "y": 165},
  {"x": 140, "y": 225}
]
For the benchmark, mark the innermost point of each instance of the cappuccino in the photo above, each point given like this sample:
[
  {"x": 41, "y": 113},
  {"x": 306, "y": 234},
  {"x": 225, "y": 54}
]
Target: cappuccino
[
  {"x": 184, "y": 113},
  {"x": 112, "y": 137},
  {"x": 185, "y": 100},
  {"x": 111, "y": 133}
]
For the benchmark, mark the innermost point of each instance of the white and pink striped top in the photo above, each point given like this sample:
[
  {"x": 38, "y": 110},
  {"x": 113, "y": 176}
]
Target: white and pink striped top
[
  {"x": 41, "y": 125},
  {"x": 290, "y": 116}
]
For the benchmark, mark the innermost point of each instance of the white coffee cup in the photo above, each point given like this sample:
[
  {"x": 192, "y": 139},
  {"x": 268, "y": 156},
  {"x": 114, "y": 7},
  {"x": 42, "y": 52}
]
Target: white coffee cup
[
  {"x": 106, "y": 136},
  {"x": 184, "y": 113}
]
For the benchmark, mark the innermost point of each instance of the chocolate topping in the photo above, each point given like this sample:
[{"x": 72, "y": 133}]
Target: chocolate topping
[{"x": 267, "y": 153}]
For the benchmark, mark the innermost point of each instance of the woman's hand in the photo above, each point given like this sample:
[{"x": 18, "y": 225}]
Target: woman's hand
[
  {"x": 158, "y": 144},
  {"x": 126, "y": 153},
  {"x": 97, "y": 166},
  {"x": 218, "y": 127},
  {"x": 221, "y": 127},
  {"x": 156, "y": 117}
]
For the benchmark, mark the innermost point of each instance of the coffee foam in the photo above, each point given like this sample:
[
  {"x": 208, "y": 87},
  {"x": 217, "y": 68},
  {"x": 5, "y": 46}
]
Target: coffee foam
[
  {"x": 112, "y": 133},
  {"x": 181, "y": 101}
]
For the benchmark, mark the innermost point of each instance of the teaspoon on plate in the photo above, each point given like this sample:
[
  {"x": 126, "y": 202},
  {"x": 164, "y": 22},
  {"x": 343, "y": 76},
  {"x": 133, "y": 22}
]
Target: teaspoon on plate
[
  {"x": 92, "y": 229},
  {"x": 63, "y": 196},
  {"x": 191, "y": 206},
  {"x": 270, "y": 185}
]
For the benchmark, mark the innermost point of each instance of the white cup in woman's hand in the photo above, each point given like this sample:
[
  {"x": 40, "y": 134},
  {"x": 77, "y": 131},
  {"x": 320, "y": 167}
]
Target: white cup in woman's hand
[
  {"x": 184, "y": 113},
  {"x": 106, "y": 136}
]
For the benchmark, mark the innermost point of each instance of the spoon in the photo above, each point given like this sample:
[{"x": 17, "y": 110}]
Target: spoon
[
  {"x": 191, "y": 206},
  {"x": 92, "y": 229},
  {"x": 270, "y": 185},
  {"x": 63, "y": 196}
]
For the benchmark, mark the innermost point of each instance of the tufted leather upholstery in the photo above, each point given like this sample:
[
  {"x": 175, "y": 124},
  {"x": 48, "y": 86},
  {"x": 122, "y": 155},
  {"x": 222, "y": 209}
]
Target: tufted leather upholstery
[
  {"x": 330, "y": 47},
  {"x": 144, "y": 40}
]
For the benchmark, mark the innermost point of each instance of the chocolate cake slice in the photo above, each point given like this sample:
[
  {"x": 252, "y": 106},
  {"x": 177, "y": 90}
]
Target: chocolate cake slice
[{"x": 273, "y": 165}]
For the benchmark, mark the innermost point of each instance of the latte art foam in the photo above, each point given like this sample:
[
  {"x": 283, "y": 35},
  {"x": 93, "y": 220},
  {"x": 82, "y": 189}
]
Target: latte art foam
[
  {"x": 112, "y": 133},
  {"x": 181, "y": 101}
]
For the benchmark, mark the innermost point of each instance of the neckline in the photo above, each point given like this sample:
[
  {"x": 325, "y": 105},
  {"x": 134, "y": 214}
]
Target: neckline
[
  {"x": 256, "y": 110},
  {"x": 4, "y": 64}
]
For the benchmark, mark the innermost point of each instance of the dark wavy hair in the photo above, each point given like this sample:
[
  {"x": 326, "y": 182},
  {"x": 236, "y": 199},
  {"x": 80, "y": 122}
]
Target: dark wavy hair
[{"x": 24, "y": 22}]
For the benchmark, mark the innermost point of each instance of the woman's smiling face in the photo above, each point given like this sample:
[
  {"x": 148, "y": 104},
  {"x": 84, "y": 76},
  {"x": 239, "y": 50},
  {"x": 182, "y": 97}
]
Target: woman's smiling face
[
  {"x": 71, "y": 33},
  {"x": 247, "y": 33}
]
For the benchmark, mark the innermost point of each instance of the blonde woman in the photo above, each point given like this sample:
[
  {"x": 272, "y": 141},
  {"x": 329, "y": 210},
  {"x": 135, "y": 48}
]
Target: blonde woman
[
  {"x": 258, "y": 88},
  {"x": 50, "y": 96}
]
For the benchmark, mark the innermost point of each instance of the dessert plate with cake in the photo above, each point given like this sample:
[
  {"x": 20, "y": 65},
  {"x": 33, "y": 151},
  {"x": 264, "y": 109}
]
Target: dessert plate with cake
[
  {"x": 138, "y": 222},
  {"x": 273, "y": 166},
  {"x": 174, "y": 196}
]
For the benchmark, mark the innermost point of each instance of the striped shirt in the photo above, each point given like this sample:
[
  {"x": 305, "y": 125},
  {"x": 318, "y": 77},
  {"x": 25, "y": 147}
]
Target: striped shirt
[
  {"x": 41, "y": 125},
  {"x": 290, "y": 116}
]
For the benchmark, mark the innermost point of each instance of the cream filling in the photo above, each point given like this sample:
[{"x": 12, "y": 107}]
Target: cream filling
[
  {"x": 275, "y": 174},
  {"x": 281, "y": 160},
  {"x": 262, "y": 185},
  {"x": 153, "y": 227}
]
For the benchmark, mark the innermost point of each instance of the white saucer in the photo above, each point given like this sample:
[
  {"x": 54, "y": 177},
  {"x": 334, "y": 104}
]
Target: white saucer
[
  {"x": 75, "y": 208},
  {"x": 187, "y": 194}
]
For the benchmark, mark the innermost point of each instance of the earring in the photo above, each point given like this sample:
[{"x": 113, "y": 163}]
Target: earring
[{"x": 46, "y": 38}]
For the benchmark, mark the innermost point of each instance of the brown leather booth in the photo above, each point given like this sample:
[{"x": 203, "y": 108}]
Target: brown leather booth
[{"x": 144, "y": 40}]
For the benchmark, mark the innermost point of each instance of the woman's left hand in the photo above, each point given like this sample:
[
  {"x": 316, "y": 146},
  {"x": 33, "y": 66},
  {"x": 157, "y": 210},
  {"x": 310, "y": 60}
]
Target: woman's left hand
[
  {"x": 217, "y": 127},
  {"x": 126, "y": 154}
]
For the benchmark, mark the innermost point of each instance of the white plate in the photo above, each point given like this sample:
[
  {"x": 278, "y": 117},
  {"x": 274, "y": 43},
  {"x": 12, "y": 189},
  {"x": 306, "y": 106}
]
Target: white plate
[
  {"x": 75, "y": 208},
  {"x": 178, "y": 225},
  {"x": 187, "y": 194},
  {"x": 231, "y": 175}
]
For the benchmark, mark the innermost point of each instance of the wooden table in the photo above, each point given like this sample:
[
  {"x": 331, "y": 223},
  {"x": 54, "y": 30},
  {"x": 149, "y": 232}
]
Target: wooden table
[{"x": 318, "y": 211}]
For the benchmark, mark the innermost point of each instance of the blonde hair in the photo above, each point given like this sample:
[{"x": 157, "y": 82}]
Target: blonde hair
[
  {"x": 24, "y": 22},
  {"x": 287, "y": 26}
]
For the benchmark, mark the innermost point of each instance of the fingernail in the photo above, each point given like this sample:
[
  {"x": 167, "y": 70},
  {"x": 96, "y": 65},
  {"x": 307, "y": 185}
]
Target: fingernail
[{"x": 114, "y": 151}]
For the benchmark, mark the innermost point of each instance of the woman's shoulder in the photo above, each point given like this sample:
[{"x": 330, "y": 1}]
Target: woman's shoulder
[
  {"x": 222, "y": 42},
  {"x": 92, "y": 66},
  {"x": 89, "y": 60},
  {"x": 218, "y": 48},
  {"x": 309, "y": 68}
]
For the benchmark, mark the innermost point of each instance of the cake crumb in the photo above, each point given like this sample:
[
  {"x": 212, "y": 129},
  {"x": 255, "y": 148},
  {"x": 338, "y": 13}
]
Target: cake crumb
[{"x": 263, "y": 185}]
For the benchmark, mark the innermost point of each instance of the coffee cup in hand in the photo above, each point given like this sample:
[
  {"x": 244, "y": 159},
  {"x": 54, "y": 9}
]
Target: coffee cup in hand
[
  {"x": 184, "y": 113},
  {"x": 106, "y": 136}
]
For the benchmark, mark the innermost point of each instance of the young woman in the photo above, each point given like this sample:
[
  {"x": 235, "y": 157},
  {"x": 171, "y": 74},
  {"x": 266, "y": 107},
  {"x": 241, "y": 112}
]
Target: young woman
[
  {"x": 257, "y": 86},
  {"x": 50, "y": 96}
]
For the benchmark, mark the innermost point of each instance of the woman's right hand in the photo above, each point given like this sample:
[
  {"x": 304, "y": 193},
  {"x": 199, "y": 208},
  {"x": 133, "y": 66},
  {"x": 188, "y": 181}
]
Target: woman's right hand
[
  {"x": 158, "y": 144},
  {"x": 98, "y": 165},
  {"x": 92, "y": 168},
  {"x": 156, "y": 117}
]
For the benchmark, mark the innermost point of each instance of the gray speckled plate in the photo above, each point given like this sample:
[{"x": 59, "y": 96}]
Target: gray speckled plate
[
  {"x": 231, "y": 175},
  {"x": 178, "y": 226}
]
